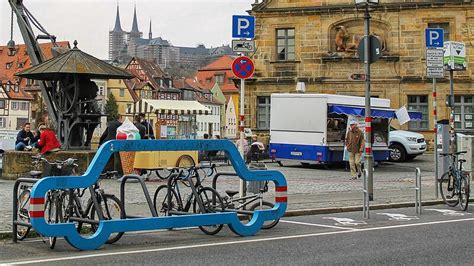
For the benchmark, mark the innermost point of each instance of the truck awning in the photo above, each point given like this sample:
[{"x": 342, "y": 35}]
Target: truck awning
[{"x": 377, "y": 113}]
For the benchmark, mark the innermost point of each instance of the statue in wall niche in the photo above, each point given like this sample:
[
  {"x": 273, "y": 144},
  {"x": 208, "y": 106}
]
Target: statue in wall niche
[{"x": 346, "y": 42}]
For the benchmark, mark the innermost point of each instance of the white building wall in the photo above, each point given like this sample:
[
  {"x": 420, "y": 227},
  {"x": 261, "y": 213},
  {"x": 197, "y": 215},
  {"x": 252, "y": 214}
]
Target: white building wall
[
  {"x": 212, "y": 120},
  {"x": 18, "y": 113},
  {"x": 102, "y": 97},
  {"x": 230, "y": 120}
]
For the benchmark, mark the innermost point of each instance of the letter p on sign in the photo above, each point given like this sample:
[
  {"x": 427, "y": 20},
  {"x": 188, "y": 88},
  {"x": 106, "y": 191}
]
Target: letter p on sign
[
  {"x": 243, "y": 27},
  {"x": 434, "y": 38}
]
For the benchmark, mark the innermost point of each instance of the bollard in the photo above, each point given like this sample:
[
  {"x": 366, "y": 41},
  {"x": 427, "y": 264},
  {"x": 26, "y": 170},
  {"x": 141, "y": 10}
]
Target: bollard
[
  {"x": 366, "y": 207},
  {"x": 418, "y": 190}
]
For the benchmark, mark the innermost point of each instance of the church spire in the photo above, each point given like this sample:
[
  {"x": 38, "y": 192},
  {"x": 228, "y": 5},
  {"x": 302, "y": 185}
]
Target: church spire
[
  {"x": 135, "y": 22},
  {"x": 150, "y": 35},
  {"x": 118, "y": 27}
]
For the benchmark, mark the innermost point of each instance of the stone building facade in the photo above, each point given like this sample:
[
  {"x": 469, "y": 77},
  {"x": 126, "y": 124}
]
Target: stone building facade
[{"x": 297, "y": 42}]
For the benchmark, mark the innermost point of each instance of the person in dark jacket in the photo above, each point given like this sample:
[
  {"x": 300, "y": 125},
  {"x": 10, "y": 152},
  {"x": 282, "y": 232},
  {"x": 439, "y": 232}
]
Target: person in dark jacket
[
  {"x": 148, "y": 127},
  {"x": 25, "y": 138},
  {"x": 110, "y": 132},
  {"x": 141, "y": 128}
]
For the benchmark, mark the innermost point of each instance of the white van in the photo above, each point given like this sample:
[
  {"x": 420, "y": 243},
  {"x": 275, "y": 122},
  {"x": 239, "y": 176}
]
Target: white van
[{"x": 311, "y": 128}]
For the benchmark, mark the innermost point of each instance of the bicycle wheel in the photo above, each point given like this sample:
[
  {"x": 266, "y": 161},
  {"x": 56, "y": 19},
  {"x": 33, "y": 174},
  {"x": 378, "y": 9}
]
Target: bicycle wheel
[
  {"x": 51, "y": 214},
  {"x": 212, "y": 202},
  {"x": 23, "y": 215},
  {"x": 164, "y": 173},
  {"x": 265, "y": 206},
  {"x": 161, "y": 203},
  {"x": 464, "y": 193},
  {"x": 111, "y": 210},
  {"x": 447, "y": 189}
]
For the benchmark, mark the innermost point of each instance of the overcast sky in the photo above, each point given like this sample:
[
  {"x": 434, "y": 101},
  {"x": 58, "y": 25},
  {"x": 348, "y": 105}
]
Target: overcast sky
[{"x": 183, "y": 22}]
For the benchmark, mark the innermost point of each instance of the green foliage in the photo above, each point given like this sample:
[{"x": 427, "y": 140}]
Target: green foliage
[{"x": 111, "y": 108}]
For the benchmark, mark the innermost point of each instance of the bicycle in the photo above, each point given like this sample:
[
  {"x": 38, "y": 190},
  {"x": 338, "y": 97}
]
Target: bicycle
[
  {"x": 455, "y": 182},
  {"x": 51, "y": 213},
  {"x": 168, "y": 199},
  {"x": 110, "y": 207},
  {"x": 243, "y": 202}
]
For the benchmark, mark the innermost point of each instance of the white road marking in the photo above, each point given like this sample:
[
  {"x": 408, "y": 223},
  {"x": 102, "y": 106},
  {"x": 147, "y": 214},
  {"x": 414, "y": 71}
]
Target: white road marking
[
  {"x": 345, "y": 221},
  {"x": 231, "y": 242},
  {"x": 399, "y": 217},
  {"x": 448, "y": 212},
  {"x": 317, "y": 225}
]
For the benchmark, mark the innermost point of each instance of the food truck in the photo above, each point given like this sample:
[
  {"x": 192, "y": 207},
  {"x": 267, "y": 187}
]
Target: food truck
[
  {"x": 174, "y": 120},
  {"x": 311, "y": 128}
]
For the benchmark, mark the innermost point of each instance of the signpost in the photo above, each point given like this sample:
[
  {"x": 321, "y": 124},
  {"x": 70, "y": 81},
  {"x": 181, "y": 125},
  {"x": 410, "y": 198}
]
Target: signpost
[
  {"x": 243, "y": 28},
  {"x": 434, "y": 69}
]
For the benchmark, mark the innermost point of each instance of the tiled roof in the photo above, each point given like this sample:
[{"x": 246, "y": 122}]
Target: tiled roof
[
  {"x": 222, "y": 63},
  {"x": 19, "y": 62},
  {"x": 221, "y": 66},
  {"x": 192, "y": 84}
]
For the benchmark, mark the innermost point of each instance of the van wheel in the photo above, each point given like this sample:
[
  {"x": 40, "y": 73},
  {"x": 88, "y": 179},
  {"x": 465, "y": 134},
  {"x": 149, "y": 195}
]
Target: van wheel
[{"x": 397, "y": 153}]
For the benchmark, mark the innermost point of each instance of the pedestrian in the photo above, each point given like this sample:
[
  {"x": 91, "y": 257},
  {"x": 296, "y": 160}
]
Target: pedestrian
[
  {"x": 149, "y": 128},
  {"x": 355, "y": 146},
  {"x": 141, "y": 128},
  {"x": 25, "y": 138},
  {"x": 206, "y": 136},
  {"x": 110, "y": 132},
  {"x": 48, "y": 141}
]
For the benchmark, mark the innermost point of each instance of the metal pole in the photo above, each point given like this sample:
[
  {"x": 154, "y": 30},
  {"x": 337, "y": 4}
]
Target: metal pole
[
  {"x": 242, "y": 187},
  {"x": 368, "y": 116},
  {"x": 366, "y": 207},
  {"x": 435, "y": 130},
  {"x": 418, "y": 190},
  {"x": 452, "y": 145}
]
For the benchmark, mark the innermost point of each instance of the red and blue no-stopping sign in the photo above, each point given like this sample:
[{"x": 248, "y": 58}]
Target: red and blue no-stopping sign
[{"x": 243, "y": 67}]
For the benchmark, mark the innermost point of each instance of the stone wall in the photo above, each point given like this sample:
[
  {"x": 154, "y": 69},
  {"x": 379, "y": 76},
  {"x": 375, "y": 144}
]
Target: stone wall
[{"x": 19, "y": 163}]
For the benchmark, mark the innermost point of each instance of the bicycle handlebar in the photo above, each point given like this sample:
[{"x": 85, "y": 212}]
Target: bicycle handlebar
[{"x": 453, "y": 153}]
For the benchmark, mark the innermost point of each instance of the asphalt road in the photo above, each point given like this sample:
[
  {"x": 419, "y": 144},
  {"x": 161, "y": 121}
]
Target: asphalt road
[{"x": 440, "y": 235}]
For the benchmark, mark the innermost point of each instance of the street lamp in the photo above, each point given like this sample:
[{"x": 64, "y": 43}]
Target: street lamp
[{"x": 368, "y": 116}]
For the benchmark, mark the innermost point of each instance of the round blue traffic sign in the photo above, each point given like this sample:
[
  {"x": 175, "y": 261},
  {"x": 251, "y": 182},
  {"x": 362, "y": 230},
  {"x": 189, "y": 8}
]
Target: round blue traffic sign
[{"x": 243, "y": 67}]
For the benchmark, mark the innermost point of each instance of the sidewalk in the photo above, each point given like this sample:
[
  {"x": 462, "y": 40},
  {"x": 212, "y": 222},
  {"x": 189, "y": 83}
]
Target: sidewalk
[{"x": 309, "y": 188}]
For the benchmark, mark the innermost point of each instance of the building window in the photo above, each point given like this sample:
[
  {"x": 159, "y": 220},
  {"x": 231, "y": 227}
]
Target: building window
[
  {"x": 263, "y": 112},
  {"x": 3, "y": 122},
  {"x": 442, "y": 25},
  {"x": 464, "y": 112},
  {"x": 16, "y": 87},
  {"x": 11, "y": 52},
  {"x": 24, "y": 106},
  {"x": 21, "y": 64},
  {"x": 7, "y": 86},
  {"x": 101, "y": 90},
  {"x": 20, "y": 122},
  {"x": 285, "y": 39},
  {"x": 219, "y": 79},
  {"x": 8, "y": 65},
  {"x": 28, "y": 82},
  {"x": 2, "y": 104},
  {"x": 122, "y": 92},
  {"x": 14, "y": 105},
  {"x": 418, "y": 103}
]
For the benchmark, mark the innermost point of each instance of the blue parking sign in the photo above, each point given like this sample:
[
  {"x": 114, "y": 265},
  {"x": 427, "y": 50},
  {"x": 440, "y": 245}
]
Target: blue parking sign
[
  {"x": 243, "y": 27},
  {"x": 434, "y": 38}
]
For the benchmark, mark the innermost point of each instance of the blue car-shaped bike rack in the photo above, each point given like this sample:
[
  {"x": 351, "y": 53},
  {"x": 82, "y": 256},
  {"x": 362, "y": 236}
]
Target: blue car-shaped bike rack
[{"x": 107, "y": 227}]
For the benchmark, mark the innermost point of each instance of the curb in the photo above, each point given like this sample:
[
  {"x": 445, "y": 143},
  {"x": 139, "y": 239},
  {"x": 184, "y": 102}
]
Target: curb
[
  {"x": 292, "y": 213},
  {"x": 8, "y": 234}
]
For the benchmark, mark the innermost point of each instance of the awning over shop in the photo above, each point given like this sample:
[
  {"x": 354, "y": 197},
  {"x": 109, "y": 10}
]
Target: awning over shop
[
  {"x": 377, "y": 113},
  {"x": 171, "y": 107}
]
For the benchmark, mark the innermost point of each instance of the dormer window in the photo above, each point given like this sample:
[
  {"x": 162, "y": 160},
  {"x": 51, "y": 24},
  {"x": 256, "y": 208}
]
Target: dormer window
[
  {"x": 8, "y": 65},
  {"x": 21, "y": 64},
  {"x": 16, "y": 87},
  {"x": 11, "y": 52},
  {"x": 7, "y": 86}
]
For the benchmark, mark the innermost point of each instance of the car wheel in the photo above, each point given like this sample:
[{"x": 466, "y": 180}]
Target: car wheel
[{"x": 397, "y": 153}]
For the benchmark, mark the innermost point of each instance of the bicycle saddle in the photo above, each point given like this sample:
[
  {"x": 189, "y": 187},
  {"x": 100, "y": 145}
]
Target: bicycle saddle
[
  {"x": 462, "y": 160},
  {"x": 231, "y": 193},
  {"x": 35, "y": 174}
]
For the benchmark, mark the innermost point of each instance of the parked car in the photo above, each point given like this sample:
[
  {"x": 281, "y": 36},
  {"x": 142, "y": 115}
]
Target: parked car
[{"x": 405, "y": 145}]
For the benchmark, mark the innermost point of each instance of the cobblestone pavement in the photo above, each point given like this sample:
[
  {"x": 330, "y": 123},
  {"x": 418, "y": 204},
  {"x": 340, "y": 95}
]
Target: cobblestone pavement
[{"x": 308, "y": 187}]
